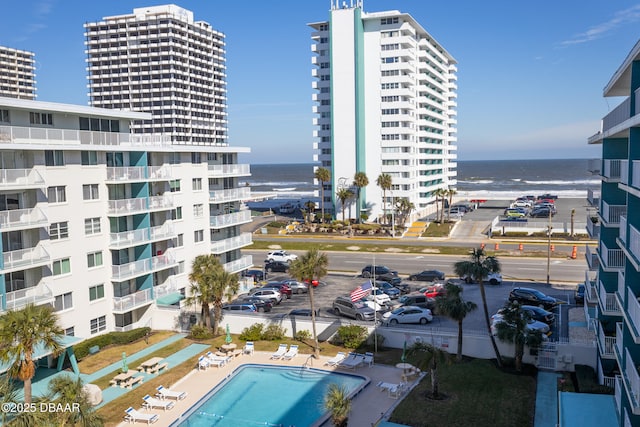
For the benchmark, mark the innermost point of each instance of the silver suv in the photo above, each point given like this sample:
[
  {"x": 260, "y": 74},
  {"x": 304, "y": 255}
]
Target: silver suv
[
  {"x": 343, "y": 306},
  {"x": 270, "y": 295}
]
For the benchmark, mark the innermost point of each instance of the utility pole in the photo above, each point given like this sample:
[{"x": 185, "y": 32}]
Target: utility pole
[{"x": 549, "y": 248}]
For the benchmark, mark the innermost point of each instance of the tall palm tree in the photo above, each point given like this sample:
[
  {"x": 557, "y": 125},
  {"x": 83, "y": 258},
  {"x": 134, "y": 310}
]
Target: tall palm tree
[
  {"x": 360, "y": 181},
  {"x": 450, "y": 193},
  {"x": 8, "y": 395},
  {"x": 343, "y": 195},
  {"x": 513, "y": 329},
  {"x": 20, "y": 332},
  {"x": 201, "y": 291},
  {"x": 384, "y": 181},
  {"x": 225, "y": 286},
  {"x": 310, "y": 267},
  {"x": 404, "y": 208},
  {"x": 65, "y": 390},
  {"x": 439, "y": 193},
  {"x": 322, "y": 175},
  {"x": 478, "y": 266},
  {"x": 429, "y": 357},
  {"x": 337, "y": 402},
  {"x": 454, "y": 307}
]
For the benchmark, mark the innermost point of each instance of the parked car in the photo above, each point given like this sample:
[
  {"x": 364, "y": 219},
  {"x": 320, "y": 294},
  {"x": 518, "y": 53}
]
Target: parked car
[
  {"x": 388, "y": 289},
  {"x": 261, "y": 305},
  {"x": 284, "y": 289},
  {"x": 541, "y": 213},
  {"x": 257, "y": 275},
  {"x": 377, "y": 271},
  {"x": 378, "y": 296},
  {"x": 491, "y": 278},
  {"x": 297, "y": 287},
  {"x": 272, "y": 295},
  {"x": 536, "y": 313},
  {"x": 531, "y": 325},
  {"x": 579, "y": 293},
  {"x": 282, "y": 256},
  {"x": 433, "y": 291},
  {"x": 548, "y": 196},
  {"x": 240, "y": 307},
  {"x": 418, "y": 300},
  {"x": 374, "y": 305},
  {"x": 428, "y": 276},
  {"x": 303, "y": 312},
  {"x": 521, "y": 203},
  {"x": 343, "y": 306},
  {"x": 408, "y": 314},
  {"x": 528, "y": 296},
  {"x": 279, "y": 266},
  {"x": 404, "y": 288},
  {"x": 514, "y": 213}
]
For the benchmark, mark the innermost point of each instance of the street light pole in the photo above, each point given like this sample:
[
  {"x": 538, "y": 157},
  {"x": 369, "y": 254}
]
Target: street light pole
[
  {"x": 549, "y": 248},
  {"x": 393, "y": 218}
]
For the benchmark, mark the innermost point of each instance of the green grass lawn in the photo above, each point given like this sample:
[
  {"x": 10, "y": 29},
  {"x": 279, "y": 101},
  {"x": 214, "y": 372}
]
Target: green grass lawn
[{"x": 478, "y": 394}]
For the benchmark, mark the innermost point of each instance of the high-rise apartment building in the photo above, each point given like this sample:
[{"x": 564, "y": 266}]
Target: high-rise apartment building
[
  {"x": 159, "y": 60},
  {"x": 385, "y": 95},
  {"x": 17, "y": 73},
  {"x": 613, "y": 280}
]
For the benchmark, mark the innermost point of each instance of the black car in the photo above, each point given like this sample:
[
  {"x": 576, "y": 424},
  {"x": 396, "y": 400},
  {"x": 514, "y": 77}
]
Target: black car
[
  {"x": 543, "y": 212},
  {"x": 261, "y": 305},
  {"x": 548, "y": 196},
  {"x": 528, "y": 296},
  {"x": 428, "y": 276},
  {"x": 378, "y": 271},
  {"x": 257, "y": 275},
  {"x": 404, "y": 288},
  {"x": 539, "y": 314},
  {"x": 278, "y": 266},
  {"x": 303, "y": 312},
  {"x": 579, "y": 294}
]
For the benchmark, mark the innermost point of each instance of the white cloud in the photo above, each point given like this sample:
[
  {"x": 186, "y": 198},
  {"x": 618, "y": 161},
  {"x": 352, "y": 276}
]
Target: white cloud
[{"x": 619, "y": 19}]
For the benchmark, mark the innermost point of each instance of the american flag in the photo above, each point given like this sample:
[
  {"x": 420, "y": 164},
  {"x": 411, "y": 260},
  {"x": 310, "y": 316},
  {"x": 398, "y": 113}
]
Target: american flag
[{"x": 361, "y": 291}]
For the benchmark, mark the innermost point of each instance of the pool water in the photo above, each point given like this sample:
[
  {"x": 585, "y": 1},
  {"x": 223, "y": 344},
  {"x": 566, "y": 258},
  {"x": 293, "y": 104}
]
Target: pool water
[{"x": 269, "y": 396}]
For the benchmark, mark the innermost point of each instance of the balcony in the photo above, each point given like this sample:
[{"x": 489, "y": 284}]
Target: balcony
[
  {"x": 22, "y": 219},
  {"x": 163, "y": 232},
  {"x": 619, "y": 114},
  {"x": 593, "y": 228},
  {"x": 634, "y": 242},
  {"x": 20, "y": 179},
  {"x": 226, "y": 245},
  {"x": 230, "y": 195},
  {"x": 619, "y": 348},
  {"x": 129, "y": 238},
  {"x": 132, "y": 301},
  {"x": 228, "y": 220},
  {"x": 126, "y": 206},
  {"x": 25, "y": 258},
  {"x": 593, "y": 197},
  {"x": 610, "y": 214},
  {"x": 591, "y": 289},
  {"x": 608, "y": 301},
  {"x": 606, "y": 344},
  {"x": 632, "y": 380},
  {"x": 229, "y": 170},
  {"x": 605, "y": 380},
  {"x": 125, "y": 174},
  {"x": 593, "y": 262},
  {"x": 623, "y": 229},
  {"x": 40, "y": 294},
  {"x": 144, "y": 266},
  {"x": 160, "y": 173},
  {"x": 612, "y": 259},
  {"x": 238, "y": 265},
  {"x": 163, "y": 202},
  {"x": 633, "y": 314},
  {"x": 612, "y": 170}
]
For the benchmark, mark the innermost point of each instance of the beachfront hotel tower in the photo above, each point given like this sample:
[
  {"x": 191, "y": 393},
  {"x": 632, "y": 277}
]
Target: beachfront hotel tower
[
  {"x": 613, "y": 280},
  {"x": 385, "y": 102},
  {"x": 17, "y": 73}
]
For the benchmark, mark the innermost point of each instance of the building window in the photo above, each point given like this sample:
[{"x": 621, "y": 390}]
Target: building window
[
  {"x": 198, "y": 236},
  {"x": 180, "y": 268},
  {"x": 179, "y": 241},
  {"x": 4, "y": 116},
  {"x": 198, "y": 210},
  {"x": 94, "y": 259},
  {"x": 40, "y": 118},
  {"x": 96, "y": 292},
  {"x": 389, "y": 21},
  {"x": 174, "y": 158},
  {"x": 61, "y": 266},
  {"x": 196, "y": 184},
  {"x": 176, "y": 213},
  {"x": 90, "y": 192},
  {"x": 63, "y": 302},
  {"x": 89, "y": 158},
  {"x": 98, "y": 324},
  {"x": 57, "y": 194},
  {"x": 174, "y": 185},
  {"x": 196, "y": 158},
  {"x": 59, "y": 230},
  {"x": 91, "y": 226},
  {"x": 54, "y": 158},
  {"x": 101, "y": 125},
  {"x": 70, "y": 332}
]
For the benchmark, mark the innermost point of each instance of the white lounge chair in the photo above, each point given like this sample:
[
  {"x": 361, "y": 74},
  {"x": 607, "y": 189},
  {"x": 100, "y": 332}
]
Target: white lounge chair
[
  {"x": 336, "y": 359},
  {"x": 293, "y": 351},
  {"x": 135, "y": 416},
  {"x": 282, "y": 349},
  {"x": 203, "y": 363},
  {"x": 152, "y": 402},
  {"x": 368, "y": 359},
  {"x": 165, "y": 393},
  {"x": 352, "y": 361},
  {"x": 215, "y": 360},
  {"x": 394, "y": 390},
  {"x": 248, "y": 348}
]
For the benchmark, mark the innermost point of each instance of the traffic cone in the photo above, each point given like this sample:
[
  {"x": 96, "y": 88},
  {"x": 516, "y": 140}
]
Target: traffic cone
[
  {"x": 497, "y": 246},
  {"x": 553, "y": 248},
  {"x": 574, "y": 252},
  {"x": 482, "y": 245},
  {"x": 520, "y": 247}
]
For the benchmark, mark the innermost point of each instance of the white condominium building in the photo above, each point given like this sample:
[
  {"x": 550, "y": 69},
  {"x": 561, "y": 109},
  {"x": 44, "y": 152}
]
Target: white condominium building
[
  {"x": 159, "y": 60},
  {"x": 385, "y": 94},
  {"x": 104, "y": 224},
  {"x": 17, "y": 73}
]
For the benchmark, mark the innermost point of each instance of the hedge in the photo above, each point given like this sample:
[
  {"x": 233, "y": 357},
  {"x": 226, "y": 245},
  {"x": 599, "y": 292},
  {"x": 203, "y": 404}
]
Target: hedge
[{"x": 81, "y": 350}]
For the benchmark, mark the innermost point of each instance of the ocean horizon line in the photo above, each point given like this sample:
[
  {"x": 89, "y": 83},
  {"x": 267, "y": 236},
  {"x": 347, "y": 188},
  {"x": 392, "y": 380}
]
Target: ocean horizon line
[{"x": 458, "y": 160}]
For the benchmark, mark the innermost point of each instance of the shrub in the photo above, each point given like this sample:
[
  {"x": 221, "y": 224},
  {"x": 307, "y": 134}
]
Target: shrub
[
  {"x": 352, "y": 336},
  {"x": 303, "y": 335},
  {"x": 81, "y": 350},
  {"x": 277, "y": 224},
  {"x": 199, "y": 332},
  {"x": 376, "y": 338},
  {"x": 273, "y": 333},
  {"x": 252, "y": 333},
  {"x": 588, "y": 381}
]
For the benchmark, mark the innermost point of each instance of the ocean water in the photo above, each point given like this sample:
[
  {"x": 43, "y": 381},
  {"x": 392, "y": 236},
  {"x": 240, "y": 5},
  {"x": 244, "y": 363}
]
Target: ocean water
[{"x": 497, "y": 179}]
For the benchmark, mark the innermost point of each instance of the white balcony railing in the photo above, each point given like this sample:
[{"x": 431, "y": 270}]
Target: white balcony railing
[
  {"x": 624, "y": 172},
  {"x": 592, "y": 257},
  {"x": 633, "y": 310},
  {"x": 619, "y": 343},
  {"x": 611, "y": 258},
  {"x": 163, "y": 232},
  {"x": 238, "y": 265},
  {"x": 128, "y": 238},
  {"x": 593, "y": 197},
  {"x": 126, "y": 206},
  {"x": 221, "y": 196},
  {"x": 228, "y": 220},
  {"x": 129, "y": 173},
  {"x": 229, "y": 170},
  {"x": 20, "y": 178},
  {"x": 167, "y": 288},
  {"x": 611, "y": 213},
  {"x": 612, "y": 169},
  {"x": 618, "y": 115},
  {"x": 608, "y": 301},
  {"x": 132, "y": 301},
  {"x": 622, "y": 289},
  {"x": 143, "y": 266},
  {"x": 164, "y": 201},
  {"x": 623, "y": 228},
  {"x": 160, "y": 172},
  {"x": 20, "y": 219},
  {"x": 631, "y": 374},
  {"x": 23, "y": 258},
  {"x": 618, "y": 392},
  {"x": 232, "y": 243},
  {"x": 606, "y": 344},
  {"x": 40, "y": 294},
  {"x": 593, "y": 228},
  {"x": 635, "y": 173},
  {"x": 634, "y": 242}
]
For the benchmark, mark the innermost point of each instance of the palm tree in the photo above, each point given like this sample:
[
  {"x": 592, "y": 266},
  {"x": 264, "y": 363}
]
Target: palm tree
[
  {"x": 310, "y": 208},
  {"x": 513, "y": 328},
  {"x": 478, "y": 267},
  {"x": 20, "y": 332},
  {"x": 8, "y": 395},
  {"x": 450, "y": 193},
  {"x": 310, "y": 267},
  {"x": 454, "y": 307},
  {"x": 337, "y": 402},
  {"x": 322, "y": 175},
  {"x": 439, "y": 193},
  {"x": 343, "y": 195},
  {"x": 225, "y": 286},
  {"x": 65, "y": 390},
  {"x": 384, "y": 181},
  {"x": 428, "y": 357},
  {"x": 404, "y": 208},
  {"x": 360, "y": 181}
]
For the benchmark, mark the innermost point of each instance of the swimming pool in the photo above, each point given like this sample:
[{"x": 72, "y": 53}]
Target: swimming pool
[{"x": 269, "y": 396}]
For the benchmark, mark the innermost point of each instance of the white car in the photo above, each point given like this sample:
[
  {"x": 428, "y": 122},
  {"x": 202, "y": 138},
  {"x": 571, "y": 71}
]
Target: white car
[
  {"x": 282, "y": 256},
  {"x": 521, "y": 204},
  {"x": 379, "y": 296},
  {"x": 492, "y": 278},
  {"x": 407, "y": 314},
  {"x": 373, "y": 305}
]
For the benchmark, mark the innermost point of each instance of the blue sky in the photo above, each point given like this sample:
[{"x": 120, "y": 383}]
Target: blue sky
[{"x": 530, "y": 74}]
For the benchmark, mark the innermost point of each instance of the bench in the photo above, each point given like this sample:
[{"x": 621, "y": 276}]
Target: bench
[
  {"x": 134, "y": 380},
  {"x": 113, "y": 383},
  {"x": 158, "y": 368},
  {"x": 94, "y": 349}
]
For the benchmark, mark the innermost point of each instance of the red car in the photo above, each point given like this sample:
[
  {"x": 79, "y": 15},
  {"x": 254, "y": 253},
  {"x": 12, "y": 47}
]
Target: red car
[
  {"x": 433, "y": 291},
  {"x": 284, "y": 289}
]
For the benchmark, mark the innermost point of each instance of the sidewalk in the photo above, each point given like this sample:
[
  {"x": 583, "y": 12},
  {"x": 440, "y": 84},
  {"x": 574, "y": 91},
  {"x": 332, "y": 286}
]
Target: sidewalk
[{"x": 546, "y": 400}]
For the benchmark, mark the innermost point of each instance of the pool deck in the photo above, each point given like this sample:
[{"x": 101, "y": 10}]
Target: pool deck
[{"x": 367, "y": 407}]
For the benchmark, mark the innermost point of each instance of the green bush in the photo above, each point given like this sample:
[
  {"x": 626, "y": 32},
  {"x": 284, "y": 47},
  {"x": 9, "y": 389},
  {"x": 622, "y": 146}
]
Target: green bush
[
  {"x": 303, "y": 335},
  {"x": 516, "y": 234},
  {"x": 277, "y": 224},
  {"x": 352, "y": 336},
  {"x": 273, "y": 333},
  {"x": 252, "y": 333},
  {"x": 376, "y": 339},
  {"x": 199, "y": 332},
  {"x": 81, "y": 350}
]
